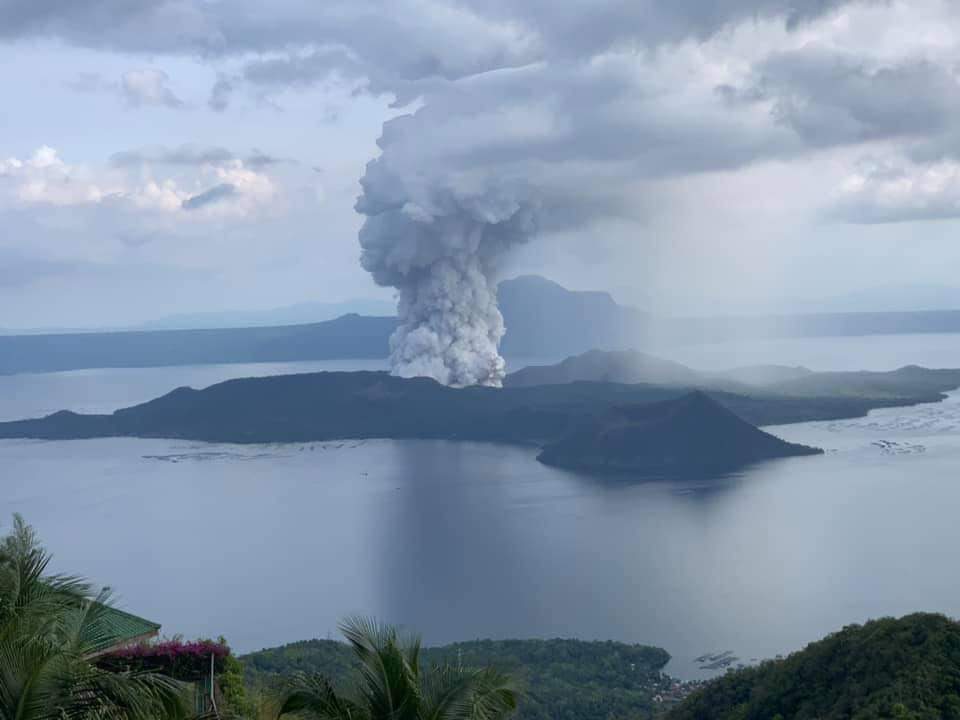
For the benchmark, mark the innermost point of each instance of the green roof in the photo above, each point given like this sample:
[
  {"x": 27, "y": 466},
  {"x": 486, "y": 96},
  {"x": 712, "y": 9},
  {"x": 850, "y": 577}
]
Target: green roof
[{"x": 122, "y": 628}]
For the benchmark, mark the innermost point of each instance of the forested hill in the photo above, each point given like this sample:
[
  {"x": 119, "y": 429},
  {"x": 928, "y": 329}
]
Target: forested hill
[
  {"x": 561, "y": 679},
  {"x": 893, "y": 668}
]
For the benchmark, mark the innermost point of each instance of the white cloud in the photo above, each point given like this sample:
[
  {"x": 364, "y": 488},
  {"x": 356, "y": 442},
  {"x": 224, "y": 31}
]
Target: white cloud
[
  {"x": 899, "y": 191},
  {"x": 45, "y": 179},
  {"x": 148, "y": 87}
]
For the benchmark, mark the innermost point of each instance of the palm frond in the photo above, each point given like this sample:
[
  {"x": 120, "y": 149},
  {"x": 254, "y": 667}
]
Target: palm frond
[
  {"x": 313, "y": 694},
  {"x": 29, "y": 597},
  {"x": 452, "y": 693},
  {"x": 390, "y": 684},
  {"x": 96, "y": 693},
  {"x": 49, "y": 625}
]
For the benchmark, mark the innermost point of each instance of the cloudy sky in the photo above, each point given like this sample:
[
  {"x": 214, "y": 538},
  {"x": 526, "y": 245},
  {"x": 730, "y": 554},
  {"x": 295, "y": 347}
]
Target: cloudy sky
[{"x": 167, "y": 156}]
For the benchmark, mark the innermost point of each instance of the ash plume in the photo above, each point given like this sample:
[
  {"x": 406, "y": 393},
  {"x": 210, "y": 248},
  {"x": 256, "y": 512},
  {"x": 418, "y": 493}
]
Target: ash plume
[
  {"x": 563, "y": 133},
  {"x": 440, "y": 248}
]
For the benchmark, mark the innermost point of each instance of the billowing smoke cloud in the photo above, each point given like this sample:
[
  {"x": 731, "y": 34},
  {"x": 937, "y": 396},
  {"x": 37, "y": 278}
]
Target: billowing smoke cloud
[
  {"x": 547, "y": 143},
  {"x": 488, "y": 162},
  {"x": 441, "y": 247}
]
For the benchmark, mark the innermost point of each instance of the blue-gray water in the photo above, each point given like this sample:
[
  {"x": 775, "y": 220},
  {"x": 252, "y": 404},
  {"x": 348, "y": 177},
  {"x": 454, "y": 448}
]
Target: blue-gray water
[{"x": 269, "y": 544}]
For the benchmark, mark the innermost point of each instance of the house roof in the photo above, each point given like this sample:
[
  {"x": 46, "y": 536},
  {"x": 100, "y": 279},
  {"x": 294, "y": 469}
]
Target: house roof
[
  {"x": 128, "y": 625},
  {"x": 121, "y": 628}
]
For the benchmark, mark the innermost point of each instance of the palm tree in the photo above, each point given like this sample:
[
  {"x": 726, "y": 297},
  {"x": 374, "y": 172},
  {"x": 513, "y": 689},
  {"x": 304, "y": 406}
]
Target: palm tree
[
  {"x": 51, "y": 628},
  {"x": 393, "y": 686}
]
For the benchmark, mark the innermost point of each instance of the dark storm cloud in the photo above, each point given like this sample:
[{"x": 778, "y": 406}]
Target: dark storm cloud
[
  {"x": 360, "y": 37},
  {"x": 141, "y": 26},
  {"x": 829, "y": 98},
  {"x": 250, "y": 25},
  {"x": 300, "y": 70},
  {"x": 214, "y": 195},
  {"x": 584, "y": 27},
  {"x": 41, "y": 16}
]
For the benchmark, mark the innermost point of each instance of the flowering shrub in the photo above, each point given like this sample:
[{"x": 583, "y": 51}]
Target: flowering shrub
[{"x": 181, "y": 660}]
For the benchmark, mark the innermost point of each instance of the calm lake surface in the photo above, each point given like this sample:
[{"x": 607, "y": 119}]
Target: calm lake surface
[{"x": 270, "y": 544}]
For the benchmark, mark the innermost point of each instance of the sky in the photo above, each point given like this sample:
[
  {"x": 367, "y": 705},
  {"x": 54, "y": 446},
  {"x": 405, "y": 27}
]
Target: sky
[{"x": 170, "y": 156}]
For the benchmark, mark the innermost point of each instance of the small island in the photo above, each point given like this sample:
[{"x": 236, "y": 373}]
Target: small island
[{"x": 693, "y": 434}]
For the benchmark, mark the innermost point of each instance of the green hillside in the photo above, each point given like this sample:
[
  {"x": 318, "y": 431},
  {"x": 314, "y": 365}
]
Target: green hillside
[{"x": 892, "y": 668}]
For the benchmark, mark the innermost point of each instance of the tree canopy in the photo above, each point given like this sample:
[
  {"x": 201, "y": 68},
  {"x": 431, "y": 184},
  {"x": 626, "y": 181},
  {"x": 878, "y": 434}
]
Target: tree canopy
[
  {"x": 891, "y": 668},
  {"x": 559, "y": 679}
]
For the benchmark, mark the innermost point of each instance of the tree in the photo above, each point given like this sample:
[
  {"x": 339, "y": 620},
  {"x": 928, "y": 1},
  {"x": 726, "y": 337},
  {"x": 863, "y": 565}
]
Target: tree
[
  {"x": 51, "y": 627},
  {"x": 393, "y": 686}
]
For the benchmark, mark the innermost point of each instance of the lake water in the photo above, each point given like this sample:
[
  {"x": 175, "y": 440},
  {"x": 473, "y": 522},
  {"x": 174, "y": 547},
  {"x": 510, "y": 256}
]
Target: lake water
[{"x": 270, "y": 544}]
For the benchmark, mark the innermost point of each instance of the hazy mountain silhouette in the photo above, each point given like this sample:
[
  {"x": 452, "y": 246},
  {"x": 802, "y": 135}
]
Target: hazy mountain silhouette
[
  {"x": 631, "y": 367},
  {"x": 350, "y": 336},
  {"x": 543, "y": 320},
  {"x": 619, "y": 366},
  {"x": 297, "y": 314}
]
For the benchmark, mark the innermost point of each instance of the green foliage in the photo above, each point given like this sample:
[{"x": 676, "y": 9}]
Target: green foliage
[
  {"x": 892, "y": 668},
  {"x": 328, "y": 657},
  {"x": 238, "y": 702},
  {"x": 391, "y": 684},
  {"x": 560, "y": 679},
  {"x": 50, "y": 627}
]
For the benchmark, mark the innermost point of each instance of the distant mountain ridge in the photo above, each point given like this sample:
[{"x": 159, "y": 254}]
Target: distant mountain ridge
[
  {"x": 304, "y": 313},
  {"x": 631, "y": 367},
  {"x": 619, "y": 366},
  {"x": 542, "y": 318},
  {"x": 350, "y": 336}
]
